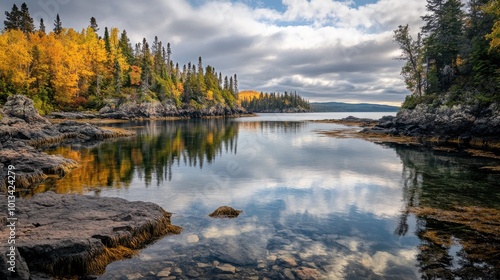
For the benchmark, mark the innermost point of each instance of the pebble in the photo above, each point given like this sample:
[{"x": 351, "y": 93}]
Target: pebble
[
  {"x": 165, "y": 272},
  {"x": 306, "y": 273},
  {"x": 177, "y": 271},
  {"x": 193, "y": 238},
  {"x": 225, "y": 268},
  {"x": 203, "y": 265},
  {"x": 135, "y": 276},
  {"x": 287, "y": 261},
  {"x": 288, "y": 274}
]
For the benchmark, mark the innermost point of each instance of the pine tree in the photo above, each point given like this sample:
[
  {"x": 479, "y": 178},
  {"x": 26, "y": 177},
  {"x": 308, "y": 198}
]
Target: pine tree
[
  {"x": 126, "y": 47},
  {"x": 93, "y": 24},
  {"x": 27, "y": 25},
  {"x": 13, "y": 20},
  {"x": 444, "y": 30},
  {"x": 169, "y": 54},
  {"x": 411, "y": 53},
  {"x": 42, "y": 26},
  {"x": 58, "y": 25},
  {"x": 106, "y": 40}
]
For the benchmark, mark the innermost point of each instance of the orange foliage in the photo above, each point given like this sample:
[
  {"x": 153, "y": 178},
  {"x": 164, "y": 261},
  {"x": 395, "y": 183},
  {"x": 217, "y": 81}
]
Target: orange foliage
[{"x": 135, "y": 75}]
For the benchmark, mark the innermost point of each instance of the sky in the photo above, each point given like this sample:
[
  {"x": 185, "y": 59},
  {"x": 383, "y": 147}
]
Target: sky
[{"x": 325, "y": 50}]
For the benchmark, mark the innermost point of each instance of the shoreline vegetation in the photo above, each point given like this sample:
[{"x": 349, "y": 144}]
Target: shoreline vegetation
[{"x": 91, "y": 70}]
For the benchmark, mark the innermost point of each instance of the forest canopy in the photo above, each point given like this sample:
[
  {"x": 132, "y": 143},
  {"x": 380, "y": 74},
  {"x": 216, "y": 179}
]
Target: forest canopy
[
  {"x": 65, "y": 69},
  {"x": 275, "y": 102},
  {"x": 455, "y": 57}
]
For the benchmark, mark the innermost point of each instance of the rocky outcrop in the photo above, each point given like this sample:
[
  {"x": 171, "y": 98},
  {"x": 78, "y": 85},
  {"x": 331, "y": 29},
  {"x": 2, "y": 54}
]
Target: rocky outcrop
[
  {"x": 156, "y": 109},
  {"x": 74, "y": 235},
  {"x": 23, "y": 131},
  {"x": 462, "y": 122}
]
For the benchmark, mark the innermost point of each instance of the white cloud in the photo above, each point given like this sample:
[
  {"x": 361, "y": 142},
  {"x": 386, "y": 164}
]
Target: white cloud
[{"x": 324, "y": 49}]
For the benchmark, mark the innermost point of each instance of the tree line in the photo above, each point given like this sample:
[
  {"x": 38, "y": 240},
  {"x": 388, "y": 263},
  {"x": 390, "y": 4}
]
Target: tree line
[
  {"x": 457, "y": 53},
  {"x": 69, "y": 70},
  {"x": 270, "y": 102}
]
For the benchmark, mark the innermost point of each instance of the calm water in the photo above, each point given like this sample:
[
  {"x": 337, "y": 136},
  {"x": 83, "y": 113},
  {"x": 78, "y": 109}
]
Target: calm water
[{"x": 339, "y": 208}]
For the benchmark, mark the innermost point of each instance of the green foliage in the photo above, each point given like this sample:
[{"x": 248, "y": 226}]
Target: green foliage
[
  {"x": 411, "y": 101},
  {"x": 456, "y": 62},
  {"x": 269, "y": 102}
]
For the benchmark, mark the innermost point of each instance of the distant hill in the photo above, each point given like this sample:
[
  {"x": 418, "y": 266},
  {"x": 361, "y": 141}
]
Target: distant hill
[{"x": 346, "y": 107}]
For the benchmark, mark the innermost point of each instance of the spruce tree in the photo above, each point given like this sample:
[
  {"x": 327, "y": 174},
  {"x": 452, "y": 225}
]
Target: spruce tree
[
  {"x": 58, "y": 25},
  {"x": 27, "y": 25},
  {"x": 42, "y": 26},
  {"x": 13, "y": 19},
  {"x": 93, "y": 24},
  {"x": 107, "y": 44}
]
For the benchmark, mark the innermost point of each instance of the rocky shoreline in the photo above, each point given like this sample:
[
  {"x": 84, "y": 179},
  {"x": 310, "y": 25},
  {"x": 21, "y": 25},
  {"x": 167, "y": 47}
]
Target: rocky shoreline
[
  {"x": 466, "y": 125},
  {"x": 23, "y": 132},
  {"x": 131, "y": 110},
  {"x": 75, "y": 235}
]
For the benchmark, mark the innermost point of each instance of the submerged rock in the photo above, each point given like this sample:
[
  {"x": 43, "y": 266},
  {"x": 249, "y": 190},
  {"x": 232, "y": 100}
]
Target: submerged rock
[
  {"x": 74, "y": 235},
  {"x": 225, "y": 212}
]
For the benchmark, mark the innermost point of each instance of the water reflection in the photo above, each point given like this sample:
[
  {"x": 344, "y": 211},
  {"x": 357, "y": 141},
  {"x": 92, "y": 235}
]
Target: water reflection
[
  {"x": 458, "y": 209},
  {"x": 343, "y": 208},
  {"x": 151, "y": 155}
]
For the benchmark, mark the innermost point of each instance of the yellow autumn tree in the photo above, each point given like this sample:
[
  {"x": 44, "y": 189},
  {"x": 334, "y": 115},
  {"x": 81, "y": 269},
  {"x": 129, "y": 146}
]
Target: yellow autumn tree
[
  {"x": 15, "y": 59},
  {"x": 493, "y": 8}
]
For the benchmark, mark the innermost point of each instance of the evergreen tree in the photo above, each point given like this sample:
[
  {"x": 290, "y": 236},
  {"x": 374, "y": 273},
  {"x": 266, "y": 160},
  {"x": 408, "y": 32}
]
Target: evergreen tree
[
  {"x": 126, "y": 47},
  {"x": 58, "y": 25},
  {"x": 444, "y": 30},
  {"x": 411, "y": 53},
  {"x": 27, "y": 25},
  {"x": 42, "y": 26},
  {"x": 93, "y": 24},
  {"x": 13, "y": 19},
  {"x": 169, "y": 54},
  {"x": 107, "y": 44}
]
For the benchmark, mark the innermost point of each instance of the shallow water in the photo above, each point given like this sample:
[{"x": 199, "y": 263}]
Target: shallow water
[{"x": 327, "y": 207}]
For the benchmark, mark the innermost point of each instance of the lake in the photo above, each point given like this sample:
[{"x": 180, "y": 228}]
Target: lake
[{"x": 313, "y": 205}]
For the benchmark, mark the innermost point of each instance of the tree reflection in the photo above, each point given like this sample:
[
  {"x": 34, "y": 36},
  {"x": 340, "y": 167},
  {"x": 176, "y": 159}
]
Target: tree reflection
[
  {"x": 457, "y": 207},
  {"x": 150, "y": 155}
]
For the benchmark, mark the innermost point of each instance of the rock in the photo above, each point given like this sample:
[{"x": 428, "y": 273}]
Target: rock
[
  {"x": 287, "y": 273},
  {"x": 272, "y": 258},
  {"x": 177, "y": 271},
  {"x": 23, "y": 130},
  {"x": 70, "y": 235},
  {"x": 193, "y": 238},
  {"x": 135, "y": 276},
  {"x": 464, "y": 121},
  {"x": 193, "y": 274},
  {"x": 21, "y": 270},
  {"x": 225, "y": 269},
  {"x": 225, "y": 212},
  {"x": 203, "y": 265},
  {"x": 165, "y": 272},
  {"x": 286, "y": 261},
  {"x": 71, "y": 115},
  {"x": 21, "y": 107},
  {"x": 306, "y": 273}
]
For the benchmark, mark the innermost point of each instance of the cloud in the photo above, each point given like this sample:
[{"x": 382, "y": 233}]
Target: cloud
[{"x": 326, "y": 50}]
